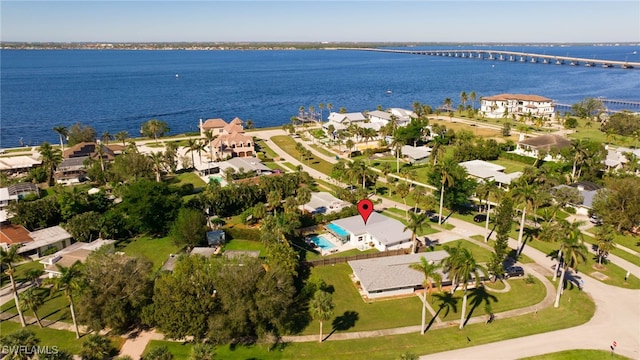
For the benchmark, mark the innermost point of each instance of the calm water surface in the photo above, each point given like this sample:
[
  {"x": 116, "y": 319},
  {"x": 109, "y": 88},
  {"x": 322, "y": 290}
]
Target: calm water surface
[{"x": 118, "y": 90}]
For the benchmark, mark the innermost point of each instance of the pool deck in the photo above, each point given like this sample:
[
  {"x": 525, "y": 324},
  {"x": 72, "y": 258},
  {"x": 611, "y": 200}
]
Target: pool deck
[{"x": 339, "y": 246}]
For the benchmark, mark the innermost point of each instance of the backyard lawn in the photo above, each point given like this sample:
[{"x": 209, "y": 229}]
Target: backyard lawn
[{"x": 156, "y": 250}]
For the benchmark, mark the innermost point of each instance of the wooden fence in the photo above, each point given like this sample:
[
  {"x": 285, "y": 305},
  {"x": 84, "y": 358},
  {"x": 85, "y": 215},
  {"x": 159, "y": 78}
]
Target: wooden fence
[{"x": 344, "y": 259}]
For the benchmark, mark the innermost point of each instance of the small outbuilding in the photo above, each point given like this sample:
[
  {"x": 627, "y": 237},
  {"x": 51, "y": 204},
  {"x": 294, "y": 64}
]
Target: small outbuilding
[{"x": 216, "y": 237}]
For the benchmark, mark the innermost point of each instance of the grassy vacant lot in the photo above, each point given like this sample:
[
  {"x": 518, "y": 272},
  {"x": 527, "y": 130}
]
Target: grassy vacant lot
[
  {"x": 156, "y": 250},
  {"x": 575, "y": 308},
  {"x": 287, "y": 144}
]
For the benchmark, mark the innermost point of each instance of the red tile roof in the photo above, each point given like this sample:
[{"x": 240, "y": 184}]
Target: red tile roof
[
  {"x": 14, "y": 234},
  {"x": 213, "y": 124}
]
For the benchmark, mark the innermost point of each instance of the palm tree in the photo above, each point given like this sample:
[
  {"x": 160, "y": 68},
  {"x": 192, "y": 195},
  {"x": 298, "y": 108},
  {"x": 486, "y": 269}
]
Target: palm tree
[
  {"x": 158, "y": 160},
  {"x": 321, "y": 107},
  {"x": 329, "y": 107},
  {"x": 417, "y": 222},
  {"x": 31, "y": 299},
  {"x": 192, "y": 146},
  {"x": 447, "y": 104},
  {"x": 464, "y": 98},
  {"x": 62, "y": 134},
  {"x": 210, "y": 137},
  {"x": 96, "y": 347},
  {"x": 349, "y": 144},
  {"x": 402, "y": 190},
  {"x": 106, "y": 137},
  {"x": 430, "y": 272},
  {"x": 462, "y": 266},
  {"x": 605, "y": 241},
  {"x": 572, "y": 251},
  {"x": 526, "y": 194},
  {"x": 34, "y": 275},
  {"x": 312, "y": 113},
  {"x": 397, "y": 145},
  {"x": 473, "y": 96},
  {"x": 7, "y": 258},
  {"x": 484, "y": 191},
  {"x": 446, "y": 179},
  {"x": 122, "y": 136},
  {"x": 418, "y": 192},
  {"x": 303, "y": 195},
  {"x": 69, "y": 281},
  {"x": 321, "y": 308},
  {"x": 51, "y": 158},
  {"x": 21, "y": 341}
]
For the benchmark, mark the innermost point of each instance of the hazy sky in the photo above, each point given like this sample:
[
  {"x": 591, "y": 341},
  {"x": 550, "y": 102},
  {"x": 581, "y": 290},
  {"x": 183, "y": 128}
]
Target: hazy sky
[{"x": 327, "y": 20}]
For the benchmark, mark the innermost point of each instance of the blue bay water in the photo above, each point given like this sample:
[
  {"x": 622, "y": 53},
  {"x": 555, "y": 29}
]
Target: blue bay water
[{"x": 119, "y": 90}]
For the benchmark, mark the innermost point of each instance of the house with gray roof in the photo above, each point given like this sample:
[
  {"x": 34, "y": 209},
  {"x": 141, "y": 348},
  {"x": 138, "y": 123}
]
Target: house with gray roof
[
  {"x": 485, "y": 171},
  {"x": 416, "y": 154},
  {"x": 323, "y": 203},
  {"x": 391, "y": 275},
  {"x": 380, "y": 232},
  {"x": 587, "y": 191}
]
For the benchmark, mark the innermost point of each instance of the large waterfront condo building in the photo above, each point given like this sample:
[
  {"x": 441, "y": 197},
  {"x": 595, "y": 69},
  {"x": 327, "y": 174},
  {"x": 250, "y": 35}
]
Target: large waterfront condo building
[{"x": 517, "y": 105}]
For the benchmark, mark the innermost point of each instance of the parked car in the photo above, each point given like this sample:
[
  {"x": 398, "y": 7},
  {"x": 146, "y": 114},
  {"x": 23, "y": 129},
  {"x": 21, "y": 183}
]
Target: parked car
[
  {"x": 514, "y": 271},
  {"x": 595, "y": 220},
  {"x": 435, "y": 217},
  {"x": 480, "y": 218}
]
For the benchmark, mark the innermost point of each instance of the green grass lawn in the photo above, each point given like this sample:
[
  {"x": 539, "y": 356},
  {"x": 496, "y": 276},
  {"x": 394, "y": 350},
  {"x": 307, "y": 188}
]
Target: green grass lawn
[
  {"x": 287, "y": 144},
  {"x": 614, "y": 273},
  {"x": 323, "y": 150},
  {"x": 577, "y": 355},
  {"x": 156, "y": 250},
  {"x": 55, "y": 308},
  {"x": 244, "y": 245},
  {"x": 575, "y": 308},
  {"x": 20, "y": 272},
  {"x": 509, "y": 165},
  {"x": 289, "y": 165},
  {"x": 64, "y": 340},
  {"x": 190, "y": 178},
  {"x": 263, "y": 147},
  {"x": 481, "y": 254}
]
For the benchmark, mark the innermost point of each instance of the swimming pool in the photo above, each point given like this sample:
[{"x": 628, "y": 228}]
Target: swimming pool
[
  {"x": 322, "y": 243},
  {"x": 337, "y": 230}
]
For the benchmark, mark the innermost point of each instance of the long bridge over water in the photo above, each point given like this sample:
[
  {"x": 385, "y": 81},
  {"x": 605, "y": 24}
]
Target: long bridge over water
[{"x": 523, "y": 57}]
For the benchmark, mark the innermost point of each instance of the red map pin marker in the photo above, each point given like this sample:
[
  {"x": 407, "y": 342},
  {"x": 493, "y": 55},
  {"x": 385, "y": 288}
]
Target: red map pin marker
[{"x": 365, "y": 208}]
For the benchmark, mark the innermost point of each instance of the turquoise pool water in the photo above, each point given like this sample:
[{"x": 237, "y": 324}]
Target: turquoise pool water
[
  {"x": 322, "y": 243},
  {"x": 337, "y": 230}
]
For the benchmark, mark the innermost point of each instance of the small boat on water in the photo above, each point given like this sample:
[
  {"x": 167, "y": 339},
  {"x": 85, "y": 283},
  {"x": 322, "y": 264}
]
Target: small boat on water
[{"x": 389, "y": 91}]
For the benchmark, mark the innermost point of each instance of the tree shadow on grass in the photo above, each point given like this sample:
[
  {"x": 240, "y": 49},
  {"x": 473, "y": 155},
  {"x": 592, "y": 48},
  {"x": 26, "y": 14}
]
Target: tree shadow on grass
[
  {"x": 448, "y": 302},
  {"x": 343, "y": 322},
  {"x": 478, "y": 296}
]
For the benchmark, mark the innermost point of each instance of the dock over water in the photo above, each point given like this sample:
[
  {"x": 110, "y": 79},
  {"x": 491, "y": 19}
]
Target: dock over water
[{"x": 514, "y": 56}]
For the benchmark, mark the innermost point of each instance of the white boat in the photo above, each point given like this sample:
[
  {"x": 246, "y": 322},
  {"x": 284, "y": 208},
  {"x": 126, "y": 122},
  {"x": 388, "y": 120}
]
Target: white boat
[{"x": 388, "y": 91}]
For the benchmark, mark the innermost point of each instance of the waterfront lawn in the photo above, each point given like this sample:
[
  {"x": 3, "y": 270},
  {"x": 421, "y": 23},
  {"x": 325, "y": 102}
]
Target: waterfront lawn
[
  {"x": 287, "y": 144},
  {"x": 575, "y": 308},
  {"x": 156, "y": 250}
]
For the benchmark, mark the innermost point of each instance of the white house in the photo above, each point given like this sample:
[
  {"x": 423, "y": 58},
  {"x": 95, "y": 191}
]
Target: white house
[
  {"x": 379, "y": 232},
  {"x": 618, "y": 158},
  {"x": 498, "y": 106},
  {"x": 401, "y": 116},
  {"x": 342, "y": 121},
  {"x": 323, "y": 203},
  {"x": 416, "y": 154},
  {"x": 391, "y": 275},
  {"x": 485, "y": 171}
]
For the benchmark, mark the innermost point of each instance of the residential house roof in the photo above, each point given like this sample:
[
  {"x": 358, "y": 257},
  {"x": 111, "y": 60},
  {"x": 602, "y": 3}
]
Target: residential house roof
[
  {"x": 44, "y": 237},
  {"x": 392, "y": 272},
  {"x": 523, "y": 97},
  {"x": 546, "y": 142},
  {"x": 89, "y": 149},
  {"x": 380, "y": 114},
  {"x": 11, "y": 234},
  {"x": 234, "y": 128},
  {"x": 68, "y": 259},
  {"x": 248, "y": 164},
  {"x": 214, "y": 124},
  {"x": 382, "y": 228},
  {"x": 348, "y": 117},
  {"x": 416, "y": 152},
  {"x": 18, "y": 162},
  {"x": 324, "y": 202},
  {"x": 237, "y": 121}
]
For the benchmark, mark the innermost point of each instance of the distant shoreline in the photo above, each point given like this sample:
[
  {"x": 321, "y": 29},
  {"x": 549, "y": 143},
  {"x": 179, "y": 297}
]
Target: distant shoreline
[{"x": 224, "y": 46}]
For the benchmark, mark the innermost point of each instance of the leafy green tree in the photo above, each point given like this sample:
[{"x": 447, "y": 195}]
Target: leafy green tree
[
  {"x": 31, "y": 299},
  {"x": 430, "y": 272},
  {"x": 462, "y": 267},
  {"x": 78, "y": 133},
  {"x": 96, "y": 347},
  {"x": 504, "y": 216},
  {"x": 35, "y": 214},
  {"x": 116, "y": 288},
  {"x": 154, "y": 128},
  {"x": 402, "y": 190},
  {"x": 184, "y": 300},
  {"x": 51, "y": 158},
  {"x": 70, "y": 283},
  {"x": 618, "y": 204},
  {"x": 7, "y": 259},
  {"x": 84, "y": 227},
  {"x": 321, "y": 308},
  {"x": 151, "y": 206},
  {"x": 131, "y": 166},
  {"x": 189, "y": 228}
]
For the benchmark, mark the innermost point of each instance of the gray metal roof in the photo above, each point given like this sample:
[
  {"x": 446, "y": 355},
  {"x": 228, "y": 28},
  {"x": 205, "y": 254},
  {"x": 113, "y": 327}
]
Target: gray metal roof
[
  {"x": 384, "y": 229},
  {"x": 385, "y": 273}
]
